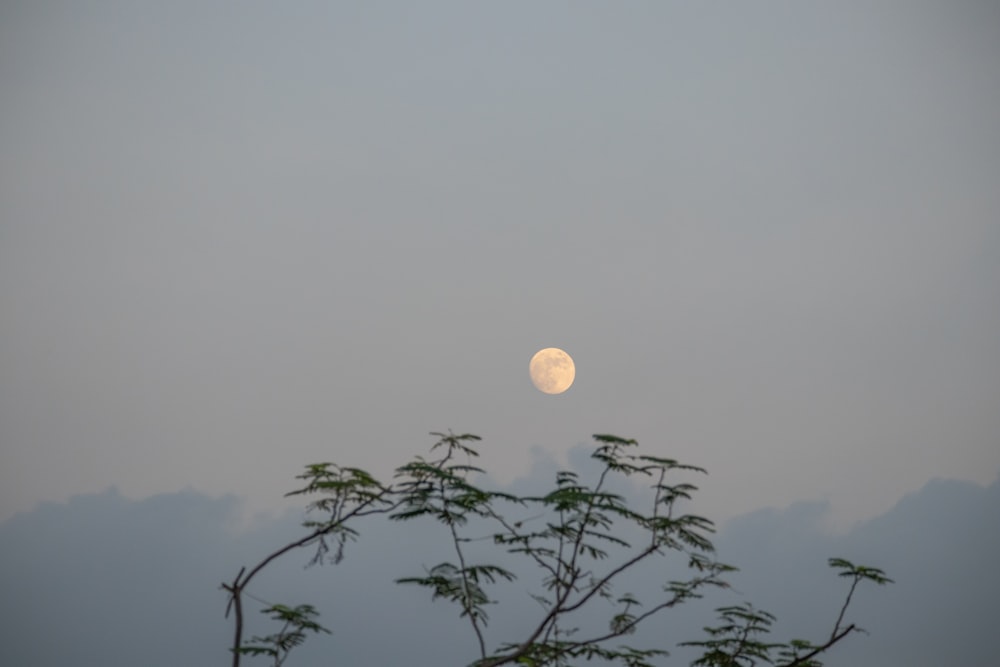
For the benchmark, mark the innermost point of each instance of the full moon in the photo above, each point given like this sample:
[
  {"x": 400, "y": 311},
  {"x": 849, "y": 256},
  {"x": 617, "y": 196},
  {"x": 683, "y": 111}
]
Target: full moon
[{"x": 552, "y": 370}]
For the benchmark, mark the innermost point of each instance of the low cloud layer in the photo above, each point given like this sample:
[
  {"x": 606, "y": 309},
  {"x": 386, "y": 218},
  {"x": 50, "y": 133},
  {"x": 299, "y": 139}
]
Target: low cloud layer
[{"x": 112, "y": 581}]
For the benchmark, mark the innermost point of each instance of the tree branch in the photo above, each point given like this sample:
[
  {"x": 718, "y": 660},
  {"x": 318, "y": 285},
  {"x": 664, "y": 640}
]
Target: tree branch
[
  {"x": 235, "y": 589},
  {"x": 803, "y": 659}
]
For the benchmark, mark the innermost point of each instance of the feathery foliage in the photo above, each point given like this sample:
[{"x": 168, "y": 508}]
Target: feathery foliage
[{"x": 589, "y": 538}]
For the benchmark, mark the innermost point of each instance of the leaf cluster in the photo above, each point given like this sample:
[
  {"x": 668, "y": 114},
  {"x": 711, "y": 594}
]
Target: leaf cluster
[
  {"x": 296, "y": 621},
  {"x": 580, "y": 537}
]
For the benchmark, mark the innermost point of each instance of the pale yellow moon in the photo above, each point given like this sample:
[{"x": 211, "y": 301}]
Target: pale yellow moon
[{"x": 552, "y": 370}]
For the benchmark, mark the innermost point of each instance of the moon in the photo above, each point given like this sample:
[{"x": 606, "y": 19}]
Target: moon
[{"x": 552, "y": 370}]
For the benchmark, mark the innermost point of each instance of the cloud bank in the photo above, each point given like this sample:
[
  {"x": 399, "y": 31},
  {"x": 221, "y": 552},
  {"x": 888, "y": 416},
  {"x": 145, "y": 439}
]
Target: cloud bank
[{"x": 107, "y": 580}]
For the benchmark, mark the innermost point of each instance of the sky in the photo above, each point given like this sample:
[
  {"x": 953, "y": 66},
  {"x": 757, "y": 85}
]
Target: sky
[{"x": 237, "y": 240}]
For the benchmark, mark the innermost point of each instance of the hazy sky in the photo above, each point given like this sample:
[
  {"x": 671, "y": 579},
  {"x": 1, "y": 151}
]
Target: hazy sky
[{"x": 238, "y": 238}]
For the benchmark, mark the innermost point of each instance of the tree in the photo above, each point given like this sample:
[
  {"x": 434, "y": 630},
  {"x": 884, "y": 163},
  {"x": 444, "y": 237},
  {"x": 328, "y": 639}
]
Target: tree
[{"x": 580, "y": 538}]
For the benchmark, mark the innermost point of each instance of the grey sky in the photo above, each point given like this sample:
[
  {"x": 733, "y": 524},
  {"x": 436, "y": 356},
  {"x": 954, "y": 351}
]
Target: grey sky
[{"x": 233, "y": 241}]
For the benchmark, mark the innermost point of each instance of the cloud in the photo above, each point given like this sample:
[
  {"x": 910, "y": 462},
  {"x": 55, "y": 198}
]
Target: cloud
[
  {"x": 106, "y": 579},
  {"x": 939, "y": 544}
]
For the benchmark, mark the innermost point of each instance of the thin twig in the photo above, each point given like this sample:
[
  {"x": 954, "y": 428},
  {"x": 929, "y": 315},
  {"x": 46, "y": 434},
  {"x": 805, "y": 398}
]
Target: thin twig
[{"x": 843, "y": 610}]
